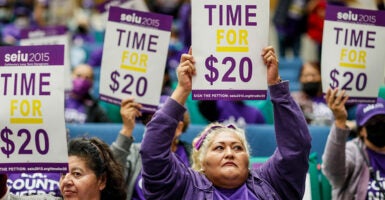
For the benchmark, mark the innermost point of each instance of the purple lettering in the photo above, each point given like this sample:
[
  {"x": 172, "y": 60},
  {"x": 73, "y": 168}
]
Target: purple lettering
[
  {"x": 15, "y": 85},
  {"x": 250, "y": 15},
  {"x": 355, "y": 38},
  {"x": 43, "y": 83},
  {"x": 369, "y": 38},
  {"x": 338, "y": 34},
  {"x": 210, "y": 9},
  {"x": 138, "y": 41},
  {"x": 120, "y": 35},
  {"x": 27, "y": 86},
  {"x": 151, "y": 42},
  {"x": 232, "y": 15},
  {"x": 5, "y": 76}
]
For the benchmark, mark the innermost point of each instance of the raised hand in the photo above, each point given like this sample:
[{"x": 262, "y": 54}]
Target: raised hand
[
  {"x": 336, "y": 103},
  {"x": 185, "y": 71},
  {"x": 271, "y": 61},
  {"x": 129, "y": 110}
]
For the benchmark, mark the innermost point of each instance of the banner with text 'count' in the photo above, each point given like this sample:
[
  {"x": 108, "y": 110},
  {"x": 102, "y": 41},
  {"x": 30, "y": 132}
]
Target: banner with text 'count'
[
  {"x": 353, "y": 52},
  {"x": 227, "y": 41},
  {"x": 32, "y": 130},
  {"x": 134, "y": 56}
]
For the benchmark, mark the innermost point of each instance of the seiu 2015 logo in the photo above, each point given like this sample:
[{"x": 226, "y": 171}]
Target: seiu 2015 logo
[
  {"x": 26, "y": 57},
  {"x": 354, "y": 17},
  {"x": 133, "y": 18}
]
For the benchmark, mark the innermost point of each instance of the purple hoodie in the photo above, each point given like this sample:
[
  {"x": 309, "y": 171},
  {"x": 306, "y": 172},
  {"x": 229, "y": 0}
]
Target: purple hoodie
[{"x": 281, "y": 177}]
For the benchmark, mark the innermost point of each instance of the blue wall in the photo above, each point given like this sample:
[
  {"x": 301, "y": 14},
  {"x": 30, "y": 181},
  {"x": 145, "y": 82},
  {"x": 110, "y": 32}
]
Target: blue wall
[{"x": 260, "y": 137}]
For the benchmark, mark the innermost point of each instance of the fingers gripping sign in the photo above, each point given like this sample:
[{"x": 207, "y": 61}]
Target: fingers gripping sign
[
  {"x": 271, "y": 61},
  {"x": 186, "y": 70},
  {"x": 336, "y": 102}
]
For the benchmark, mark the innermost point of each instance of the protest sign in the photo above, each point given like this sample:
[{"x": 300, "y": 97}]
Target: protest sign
[
  {"x": 352, "y": 52},
  {"x": 134, "y": 57},
  {"x": 50, "y": 35},
  {"x": 32, "y": 130},
  {"x": 227, "y": 41},
  {"x": 104, "y": 6}
]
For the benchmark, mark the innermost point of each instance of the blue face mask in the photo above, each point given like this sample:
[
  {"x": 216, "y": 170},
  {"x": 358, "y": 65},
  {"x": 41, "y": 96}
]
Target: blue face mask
[
  {"x": 376, "y": 134},
  {"x": 81, "y": 86}
]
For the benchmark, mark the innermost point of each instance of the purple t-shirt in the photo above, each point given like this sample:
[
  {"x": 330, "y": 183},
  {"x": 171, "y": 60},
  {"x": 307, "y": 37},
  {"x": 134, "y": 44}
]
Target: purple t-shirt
[
  {"x": 377, "y": 161},
  {"x": 26, "y": 184},
  {"x": 239, "y": 193},
  {"x": 75, "y": 111}
]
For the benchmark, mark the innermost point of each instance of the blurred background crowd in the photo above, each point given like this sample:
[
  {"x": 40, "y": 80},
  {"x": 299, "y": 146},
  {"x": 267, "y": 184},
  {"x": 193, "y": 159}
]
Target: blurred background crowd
[{"x": 295, "y": 31}]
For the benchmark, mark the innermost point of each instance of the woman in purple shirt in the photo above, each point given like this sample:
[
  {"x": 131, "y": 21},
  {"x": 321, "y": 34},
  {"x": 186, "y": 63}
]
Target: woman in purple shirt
[{"x": 221, "y": 152}]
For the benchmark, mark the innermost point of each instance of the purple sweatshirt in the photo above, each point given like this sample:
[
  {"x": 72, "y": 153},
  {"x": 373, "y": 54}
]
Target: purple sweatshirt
[{"x": 281, "y": 177}]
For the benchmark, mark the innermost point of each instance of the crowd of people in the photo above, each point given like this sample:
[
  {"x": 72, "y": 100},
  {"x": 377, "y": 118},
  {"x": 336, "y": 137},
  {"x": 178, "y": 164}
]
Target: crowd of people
[{"x": 216, "y": 164}]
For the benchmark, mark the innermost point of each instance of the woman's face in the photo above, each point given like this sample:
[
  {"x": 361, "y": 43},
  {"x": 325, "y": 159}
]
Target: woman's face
[
  {"x": 310, "y": 74},
  {"x": 81, "y": 182},
  {"x": 226, "y": 161}
]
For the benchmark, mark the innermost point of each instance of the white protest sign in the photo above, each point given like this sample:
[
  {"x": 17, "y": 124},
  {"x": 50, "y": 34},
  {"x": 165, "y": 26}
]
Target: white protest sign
[
  {"x": 32, "y": 130},
  {"x": 132, "y": 4},
  {"x": 50, "y": 35},
  {"x": 134, "y": 56},
  {"x": 353, "y": 52},
  {"x": 227, "y": 41}
]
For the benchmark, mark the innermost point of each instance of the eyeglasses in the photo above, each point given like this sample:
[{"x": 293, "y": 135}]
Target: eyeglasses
[{"x": 199, "y": 143}]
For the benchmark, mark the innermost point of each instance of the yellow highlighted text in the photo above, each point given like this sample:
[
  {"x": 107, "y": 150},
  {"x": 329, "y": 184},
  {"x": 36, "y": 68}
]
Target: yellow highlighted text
[{"x": 134, "y": 61}]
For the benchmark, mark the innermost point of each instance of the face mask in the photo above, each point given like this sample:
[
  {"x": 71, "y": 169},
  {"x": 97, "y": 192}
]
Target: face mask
[
  {"x": 376, "y": 134},
  {"x": 82, "y": 30},
  {"x": 81, "y": 86},
  {"x": 311, "y": 88}
]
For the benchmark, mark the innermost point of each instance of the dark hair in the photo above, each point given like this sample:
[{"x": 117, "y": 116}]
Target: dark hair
[
  {"x": 316, "y": 65},
  {"x": 100, "y": 160}
]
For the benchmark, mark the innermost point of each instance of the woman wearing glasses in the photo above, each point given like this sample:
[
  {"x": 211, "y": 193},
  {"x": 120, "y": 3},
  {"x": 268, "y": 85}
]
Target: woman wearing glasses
[{"x": 221, "y": 153}]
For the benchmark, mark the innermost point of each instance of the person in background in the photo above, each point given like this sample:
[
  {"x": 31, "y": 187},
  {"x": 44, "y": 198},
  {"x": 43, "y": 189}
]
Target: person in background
[
  {"x": 127, "y": 152},
  {"x": 355, "y": 168},
  {"x": 94, "y": 173},
  {"x": 316, "y": 10},
  {"x": 310, "y": 97},
  {"x": 80, "y": 106},
  {"x": 290, "y": 23},
  {"x": 222, "y": 151},
  {"x": 22, "y": 19}
]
